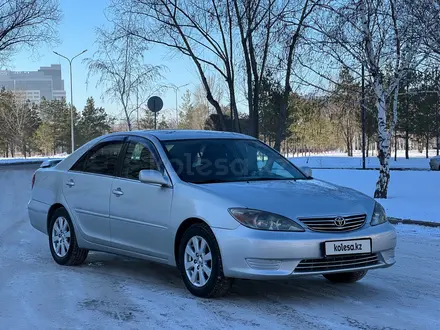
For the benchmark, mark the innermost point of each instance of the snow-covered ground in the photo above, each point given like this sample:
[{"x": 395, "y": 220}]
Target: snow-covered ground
[
  {"x": 411, "y": 194},
  {"x": 111, "y": 292},
  {"x": 332, "y": 159},
  {"x": 340, "y": 160}
]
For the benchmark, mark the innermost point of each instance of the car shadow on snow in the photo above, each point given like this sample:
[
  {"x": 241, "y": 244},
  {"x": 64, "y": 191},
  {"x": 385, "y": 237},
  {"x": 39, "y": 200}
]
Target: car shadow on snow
[{"x": 158, "y": 277}]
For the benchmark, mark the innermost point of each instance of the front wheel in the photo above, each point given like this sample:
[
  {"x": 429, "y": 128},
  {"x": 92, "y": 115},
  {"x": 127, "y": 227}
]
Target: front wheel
[
  {"x": 349, "y": 277},
  {"x": 200, "y": 263},
  {"x": 62, "y": 240}
]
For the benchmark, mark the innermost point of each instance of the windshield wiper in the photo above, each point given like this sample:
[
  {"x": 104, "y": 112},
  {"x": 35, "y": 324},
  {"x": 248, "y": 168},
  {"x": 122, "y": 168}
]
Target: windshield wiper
[
  {"x": 268, "y": 179},
  {"x": 211, "y": 181}
]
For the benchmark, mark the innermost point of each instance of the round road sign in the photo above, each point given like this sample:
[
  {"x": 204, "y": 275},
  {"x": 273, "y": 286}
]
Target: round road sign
[{"x": 155, "y": 104}]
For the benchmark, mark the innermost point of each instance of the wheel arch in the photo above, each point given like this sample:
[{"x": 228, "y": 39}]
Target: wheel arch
[
  {"x": 51, "y": 211},
  {"x": 182, "y": 228}
]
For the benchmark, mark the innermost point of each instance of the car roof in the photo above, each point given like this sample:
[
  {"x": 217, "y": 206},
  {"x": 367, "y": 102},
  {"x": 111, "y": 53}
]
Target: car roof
[{"x": 181, "y": 134}]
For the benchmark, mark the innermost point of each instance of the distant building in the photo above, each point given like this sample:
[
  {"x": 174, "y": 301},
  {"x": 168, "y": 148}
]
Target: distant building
[{"x": 34, "y": 85}]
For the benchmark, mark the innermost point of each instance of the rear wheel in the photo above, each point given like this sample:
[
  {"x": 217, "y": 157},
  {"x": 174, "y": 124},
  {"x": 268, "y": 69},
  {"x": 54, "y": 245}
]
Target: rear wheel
[
  {"x": 349, "y": 277},
  {"x": 200, "y": 263},
  {"x": 62, "y": 240}
]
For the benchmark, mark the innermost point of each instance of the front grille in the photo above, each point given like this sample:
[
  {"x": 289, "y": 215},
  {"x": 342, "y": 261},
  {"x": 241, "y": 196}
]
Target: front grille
[
  {"x": 330, "y": 225},
  {"x": 336, "y": 263}
]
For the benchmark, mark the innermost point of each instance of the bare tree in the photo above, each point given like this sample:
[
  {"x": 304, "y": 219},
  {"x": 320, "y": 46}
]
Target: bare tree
[
  {"x": 427, "y": 13},
  {"x": 26, "y": 23},
  {"x": 119, "y": 64},
  {"x": 294, "y": 23},
  {"x": 380, "y": 35},
  {"x": 258, "y": 22},
  {"x": 18, "y": 122},
  {"x": 200, "y": 30}
]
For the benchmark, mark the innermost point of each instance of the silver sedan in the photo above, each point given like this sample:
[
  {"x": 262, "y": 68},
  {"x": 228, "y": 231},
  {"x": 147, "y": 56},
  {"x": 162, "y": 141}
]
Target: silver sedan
[
  {"x": 434, "y": 163},
  {"x": 216, "y": 205}
]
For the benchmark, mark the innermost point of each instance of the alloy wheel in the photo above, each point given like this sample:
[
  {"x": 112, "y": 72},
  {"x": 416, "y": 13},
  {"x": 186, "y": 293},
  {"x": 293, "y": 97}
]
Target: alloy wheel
[
  {"x": 61, "y": 237},
  {"x": 198, "y": 261}
]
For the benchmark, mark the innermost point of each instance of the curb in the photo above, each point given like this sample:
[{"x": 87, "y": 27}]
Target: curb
[{"x": 431, "y": 224}]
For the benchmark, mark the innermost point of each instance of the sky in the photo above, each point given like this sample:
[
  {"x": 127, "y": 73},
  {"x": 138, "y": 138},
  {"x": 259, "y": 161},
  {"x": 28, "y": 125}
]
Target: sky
[{"x": 76, "y": 33}]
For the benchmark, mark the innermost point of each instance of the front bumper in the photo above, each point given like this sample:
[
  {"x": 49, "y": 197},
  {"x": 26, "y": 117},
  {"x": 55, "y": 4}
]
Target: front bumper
[{"x": 255, "y": 254}]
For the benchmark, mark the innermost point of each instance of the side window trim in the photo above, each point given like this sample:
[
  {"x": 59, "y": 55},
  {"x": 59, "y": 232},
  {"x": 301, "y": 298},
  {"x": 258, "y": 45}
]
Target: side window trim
[
  {"x": 100, "y": 144},
  {"x": 147, "y": 143},
  {"x": 120, "y": 163}
]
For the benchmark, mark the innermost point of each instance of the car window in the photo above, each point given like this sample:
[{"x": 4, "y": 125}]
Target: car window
[
  {"x": 101, "y": 159},
  {"x": 228, "y": 160},
  {"x": 274, "y": 167},
  {"x": 137, "y": 158}
]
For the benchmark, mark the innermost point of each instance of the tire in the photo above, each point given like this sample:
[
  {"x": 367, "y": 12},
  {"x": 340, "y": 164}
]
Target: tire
[
  {"x": 349, "y": 277},
  {"x": 217, "y": 284},
  {"x": 73, "y": 255}
]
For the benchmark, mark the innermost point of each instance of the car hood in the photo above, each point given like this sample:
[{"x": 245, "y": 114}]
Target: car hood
[{"x": 294, "y": 199}]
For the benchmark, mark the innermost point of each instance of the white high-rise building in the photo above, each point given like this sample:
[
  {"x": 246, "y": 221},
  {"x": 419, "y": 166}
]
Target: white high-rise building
[{"x": 35, "y": 85}]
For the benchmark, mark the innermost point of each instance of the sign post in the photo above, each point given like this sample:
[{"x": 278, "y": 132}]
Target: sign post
[{"x": 155, "y": 104}]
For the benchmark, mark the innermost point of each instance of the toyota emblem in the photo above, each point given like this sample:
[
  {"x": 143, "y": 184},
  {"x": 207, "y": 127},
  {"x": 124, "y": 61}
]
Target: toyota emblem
[{"x": 339, "y": 221}]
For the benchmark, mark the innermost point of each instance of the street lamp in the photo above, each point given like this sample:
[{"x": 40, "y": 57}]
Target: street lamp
[
  {"x": 71, "y": 96},
  {"x": 176, "y": 88}
]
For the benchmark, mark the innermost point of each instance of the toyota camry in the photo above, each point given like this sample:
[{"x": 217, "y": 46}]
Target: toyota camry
[{"x": 216, "y": 205}]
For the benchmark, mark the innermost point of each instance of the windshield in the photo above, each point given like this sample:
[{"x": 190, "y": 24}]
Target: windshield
[{"x": 228, "y": 160}]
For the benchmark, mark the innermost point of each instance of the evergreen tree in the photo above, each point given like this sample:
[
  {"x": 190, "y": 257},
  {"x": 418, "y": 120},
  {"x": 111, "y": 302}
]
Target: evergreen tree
[
  {"x": 270, "y": 102},
  {"x": 94, "y": 122},
  {"x": 186, "y": 111},
  {"x": 56, "y": 114},
  {"x": 347, "y": 107},
  {"x": 146, "y": 121}
]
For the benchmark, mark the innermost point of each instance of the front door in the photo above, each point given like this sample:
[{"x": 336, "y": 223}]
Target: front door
[
  {"x": 87, "y": 187},
  {"x": 140, "y": 212}
]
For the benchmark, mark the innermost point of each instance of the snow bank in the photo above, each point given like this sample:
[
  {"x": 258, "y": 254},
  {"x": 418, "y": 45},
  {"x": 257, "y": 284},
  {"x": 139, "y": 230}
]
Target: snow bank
[
  {"x": 356, "y": 162},
  {"x": 411, "y": 194},
  {"x": 34, "y": 159}
]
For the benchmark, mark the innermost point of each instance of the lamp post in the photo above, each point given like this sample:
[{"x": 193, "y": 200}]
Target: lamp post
[
  {"x": 176, "y": 88},
  {"x": 71, "y": 96}
]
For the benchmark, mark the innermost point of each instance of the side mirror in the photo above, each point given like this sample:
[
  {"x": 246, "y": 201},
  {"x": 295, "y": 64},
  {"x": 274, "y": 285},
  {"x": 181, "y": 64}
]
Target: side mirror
[
  {"x": 307, "y": 171},
  {"x": 153, "y": 176}
]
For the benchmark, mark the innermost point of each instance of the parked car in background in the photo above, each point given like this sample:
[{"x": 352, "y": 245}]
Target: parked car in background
[
  {"x": 434, "y": 163},
  {"x": 217, "y": 205}
]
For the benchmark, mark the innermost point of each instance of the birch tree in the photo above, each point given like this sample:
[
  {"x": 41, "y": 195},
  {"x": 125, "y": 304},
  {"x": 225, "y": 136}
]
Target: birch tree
[
  {"x": 119, "y": 64},
  {"x": 382, "y": 35}
]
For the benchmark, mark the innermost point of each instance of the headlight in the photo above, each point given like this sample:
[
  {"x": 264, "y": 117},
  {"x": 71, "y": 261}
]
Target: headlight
[
  {"x": 264, "y": 220},
  {"x": 379, "y": 215}
]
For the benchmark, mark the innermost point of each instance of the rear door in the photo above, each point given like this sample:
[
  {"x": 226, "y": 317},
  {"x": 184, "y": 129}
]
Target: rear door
[
  {"x": 140, "y": 212},
  {"x": 87, "y": 186}
]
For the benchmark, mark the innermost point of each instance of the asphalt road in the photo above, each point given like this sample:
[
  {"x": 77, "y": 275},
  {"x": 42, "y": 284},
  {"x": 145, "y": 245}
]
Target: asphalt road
[{"x": 112, "y": 292}]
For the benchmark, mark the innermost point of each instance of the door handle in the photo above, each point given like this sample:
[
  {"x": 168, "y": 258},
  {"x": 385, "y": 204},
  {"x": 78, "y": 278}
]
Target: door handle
[
  {"x": 118, "y": 192},
  {"x": 70, "y": 183}
]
